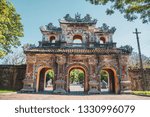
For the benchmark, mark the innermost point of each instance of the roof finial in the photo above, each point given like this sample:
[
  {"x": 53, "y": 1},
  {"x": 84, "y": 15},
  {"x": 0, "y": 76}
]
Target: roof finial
[{"x": 77, "y": 16}]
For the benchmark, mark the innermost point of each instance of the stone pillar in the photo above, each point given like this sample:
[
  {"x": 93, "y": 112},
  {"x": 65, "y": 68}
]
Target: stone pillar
[
  {"x": 93, "y": 82},
  {"x": 28, "y": 82},
  {"x": 125, "y": 82},
  {"x": 60, "y": 82},
  {"x": 65, "y": 75}
]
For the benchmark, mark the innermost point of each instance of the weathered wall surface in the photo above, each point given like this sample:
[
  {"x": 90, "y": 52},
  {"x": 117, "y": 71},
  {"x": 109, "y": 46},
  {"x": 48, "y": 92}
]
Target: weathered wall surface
[
  {"x": 137, "y": 82},
  {"x": 11, "y": 76}
]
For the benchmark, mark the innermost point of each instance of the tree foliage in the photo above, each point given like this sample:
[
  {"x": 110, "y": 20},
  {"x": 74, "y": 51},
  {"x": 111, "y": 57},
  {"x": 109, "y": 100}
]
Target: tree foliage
[
  {"x": 15, "y": 58},
  {"x": 134, "y": 61},
  {"x": 104, "y": 75},
  {"x": 50, "y": 75},
  {"x": 10, "y": 27},
  {"x": 132, "y": 9},
  {"x": 77, "y": 76}
]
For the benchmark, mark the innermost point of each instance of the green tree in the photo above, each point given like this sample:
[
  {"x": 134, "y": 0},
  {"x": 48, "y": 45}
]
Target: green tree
[
  {"x": 10, "y": 27},
  {"x": 76, "y": 75},
  {"x": 132, "y": 9},
  {"x": 81, "y": 77},
  {"x": 73, "y": 76},
  {"x": 104, "y": 75},
  {"x": 50, "y": 75}
]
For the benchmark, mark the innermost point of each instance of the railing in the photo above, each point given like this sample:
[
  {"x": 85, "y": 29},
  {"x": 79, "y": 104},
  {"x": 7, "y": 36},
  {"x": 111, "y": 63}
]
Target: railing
[
  {"x": 106, "y": 45},
  {"x": 48, "y": 44},
  {"x": 76, "y": 45}
]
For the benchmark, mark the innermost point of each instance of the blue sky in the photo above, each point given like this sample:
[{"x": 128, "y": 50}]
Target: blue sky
[{"x": 35, "y": 13}]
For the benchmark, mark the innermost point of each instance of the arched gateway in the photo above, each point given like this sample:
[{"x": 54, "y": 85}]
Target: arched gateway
[
  {"x": 41, "y": 78},
  {"x": 113, "y": 80},
  {"x": 77, "y": 45},
  {"x": 81, "y": 67}
]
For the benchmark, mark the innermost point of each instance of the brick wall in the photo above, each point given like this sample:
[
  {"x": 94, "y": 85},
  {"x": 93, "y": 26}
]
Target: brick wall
[
  {"x": 137, "y": 82},
  {"x": 11, "y": 76}
]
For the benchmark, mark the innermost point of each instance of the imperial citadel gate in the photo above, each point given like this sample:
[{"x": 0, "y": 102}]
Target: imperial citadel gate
[{"x": 77, "y": 44}]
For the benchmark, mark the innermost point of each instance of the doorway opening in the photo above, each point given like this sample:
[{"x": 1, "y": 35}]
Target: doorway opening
[
  {"x": 49, "y": 80},
  {"x": 52, "y": 39},
  {"x": 46, "y": 80},
  {"x": 108, "y": 81},
  {"x": 76, "y": 80},
  {"x": 77, "y": 41},
  {"x": 104, "y": 78},
  {"x": 102, "y": 40}
]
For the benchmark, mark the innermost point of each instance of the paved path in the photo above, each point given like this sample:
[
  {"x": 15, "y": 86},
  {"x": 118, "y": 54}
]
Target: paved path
[
  {"x": 22, "y": 96},
  {"x": 76, "y": 94}
]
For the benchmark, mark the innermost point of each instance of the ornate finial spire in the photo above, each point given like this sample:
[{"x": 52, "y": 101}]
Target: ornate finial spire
[
  {"x": 77, "y": 16},
  {"x": 106, "y": 28}
]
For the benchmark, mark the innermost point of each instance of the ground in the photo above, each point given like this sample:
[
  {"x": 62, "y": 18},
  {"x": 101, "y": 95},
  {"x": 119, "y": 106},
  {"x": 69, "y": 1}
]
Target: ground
[
  {"x": 74, "y": 95},
  {"x": 15, "y": 96}
]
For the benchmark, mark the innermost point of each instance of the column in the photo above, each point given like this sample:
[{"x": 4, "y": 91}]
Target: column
[
  {"x": 93, "y": 83},
  {"x": 124, "y": 82},
  {"x": 60, "y": 82}
]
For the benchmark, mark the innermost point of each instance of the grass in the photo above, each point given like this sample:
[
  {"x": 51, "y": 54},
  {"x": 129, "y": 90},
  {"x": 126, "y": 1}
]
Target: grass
[
  {"x": 6, "y": 91},
  {"x": 143, "y": 93}
]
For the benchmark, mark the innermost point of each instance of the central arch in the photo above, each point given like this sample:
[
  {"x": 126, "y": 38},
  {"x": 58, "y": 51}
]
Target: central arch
[
  {"x": 77, "y": 41},
  {"x": 76, "y": 80},
  {"x": 79, "y": 37},
  {"x": 85, "y": 81}
]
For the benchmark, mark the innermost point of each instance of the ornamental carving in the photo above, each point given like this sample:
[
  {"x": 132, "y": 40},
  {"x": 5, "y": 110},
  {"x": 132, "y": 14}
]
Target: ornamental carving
[
  {"x": 127, "y": 49},
  {"x": 61, "y": 60},
  {"x": 87, "y": 18},
  {"x": 105, "y": 28},
  {"x": 30, "y": 59},
  {"x": 92, "y": 61},
  {"x": 28, "y": 76}
]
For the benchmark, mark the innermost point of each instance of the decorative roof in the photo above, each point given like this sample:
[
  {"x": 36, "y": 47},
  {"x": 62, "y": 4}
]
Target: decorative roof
[
  {"x": 97, "y": 51},
  {"x": 105, "y": 28},
  {"x": 50, "y": 27},
  {"x": 78, "y": 19},
  {"x": 127, "y": 48}
]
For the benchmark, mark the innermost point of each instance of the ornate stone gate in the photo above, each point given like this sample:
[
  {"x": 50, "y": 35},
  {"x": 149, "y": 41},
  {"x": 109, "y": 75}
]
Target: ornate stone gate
[{"x": 77, "y": 43}]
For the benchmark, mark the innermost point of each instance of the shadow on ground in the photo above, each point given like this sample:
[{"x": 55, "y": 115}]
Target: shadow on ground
[{"x": 72, "y": 93}]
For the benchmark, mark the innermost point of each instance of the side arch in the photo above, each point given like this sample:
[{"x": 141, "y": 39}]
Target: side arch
[
  {"x": 116, "y": 78},
  {"x": 39, "y": 73},
  {"x": 52, "y": 39},
  {"x": 102, "y": 40}
]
